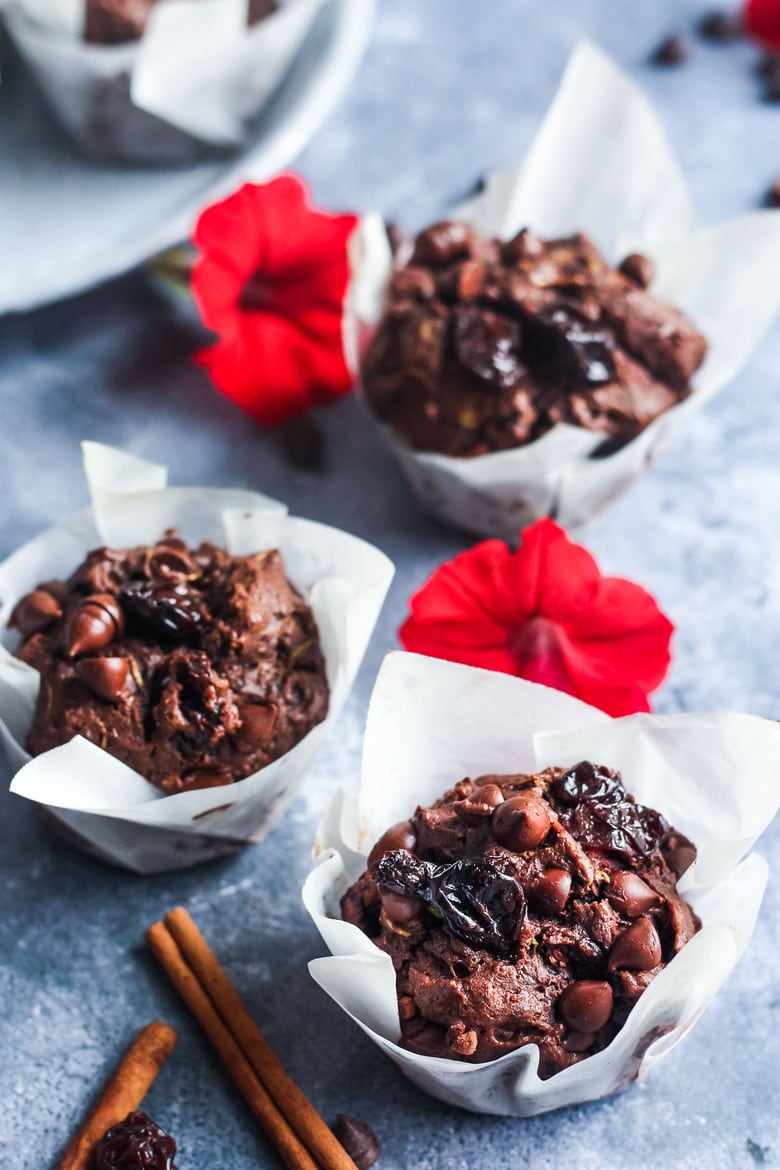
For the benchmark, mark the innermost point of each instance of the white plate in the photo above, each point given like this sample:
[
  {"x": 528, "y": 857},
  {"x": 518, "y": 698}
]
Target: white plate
[{"x": 67, "y": 223}]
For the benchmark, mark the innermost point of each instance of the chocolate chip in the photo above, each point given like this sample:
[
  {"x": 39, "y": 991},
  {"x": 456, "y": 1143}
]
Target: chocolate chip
[
  {"x": 106, "y": 677},
  {"x": 258, "y": 721},
  {"x": 578, "y": 1041},
  {"x": 550, "y": 890},
  {"x": 720, "y": 26},
  {"x": 630, "y": 895},
  {"x": 671, "y": 51},
  {"x": 480, "y": 804},
  {"x": 524, "y": 246},
  {"x": 773, "y": 195},
  {"x": 34, "y": 612},
  {"x": 400, "y": 836},
  {"x": 168, "y": 560},
  {"x": 358, "y": 1139},
  {"x": 213, "y": 777},
  {"x": 522, "y": 822},
  {"x": 304, "y": 444},
  {"x": 638, "y": 268},
  {"x": 442, "y": 242},
  {"x": 92, "y": 624},
  {"x": 586, "y": 1005},
  {"x": 638, "y": 948},
  {"x": 678, "y": 851},
  {"x": 401, "y": 908}
]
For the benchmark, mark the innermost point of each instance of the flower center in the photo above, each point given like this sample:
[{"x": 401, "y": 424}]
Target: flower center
[
  {"x": 537, "y": 647},
  {"x": 257, "y": 294}
]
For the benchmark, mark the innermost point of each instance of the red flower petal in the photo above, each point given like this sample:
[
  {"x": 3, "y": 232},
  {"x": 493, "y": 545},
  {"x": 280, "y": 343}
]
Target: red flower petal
[
  {"x": 279, "y": 354},
  {"x": 545, "y": 613},
  {"x": 762, "y": 21}
]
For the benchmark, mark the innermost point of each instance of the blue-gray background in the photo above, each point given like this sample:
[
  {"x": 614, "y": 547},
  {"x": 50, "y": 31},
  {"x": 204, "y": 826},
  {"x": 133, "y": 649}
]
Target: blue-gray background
[{"x": 448, "y": 90}]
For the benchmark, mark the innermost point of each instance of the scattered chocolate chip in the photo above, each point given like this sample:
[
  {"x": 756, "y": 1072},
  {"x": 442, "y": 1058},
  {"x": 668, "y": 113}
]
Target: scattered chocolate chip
[
  {"x": 358, "y": 1139},
  {"x": 522, "y": 822},
  {"x": 719, "y": 26},
  {"x": 481, "y": 902},
  {"x": 550, "y": 891},
  {"x": 586, "y": 1005},
  {"x": 480, "y": 804},
  {"x": 304, "y": 444},
  {"x": 679, "y": 852},
  {"x": 671, "y": 51},
  {"x": 400, "y": 836},
  {"x": 401, "y": 908},
  {"x": 638, "y": 948},
  {"x": 630, "y": 895},
  {"x": 213, "y": 777},
  {"x": 442, "y": 243},
  {"x": 773, "y": 195},
  {"x": 638, "y": 268},
  {"x": 33, "y": 612},
  {"x": 135, "y": 1143},
  {"x": 92, "y": 624},
  {"x": 106, "y": 677}
]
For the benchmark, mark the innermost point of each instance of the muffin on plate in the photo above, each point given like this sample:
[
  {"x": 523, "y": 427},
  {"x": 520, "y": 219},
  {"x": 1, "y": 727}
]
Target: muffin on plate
[{"x": 194, "y": 667}]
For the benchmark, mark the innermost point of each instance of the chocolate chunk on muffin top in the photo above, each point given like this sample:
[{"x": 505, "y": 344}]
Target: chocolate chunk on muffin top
[
  {"x": 525, "y": 909},
  {"x": 485, "y": 345},
  {"x": 194, "y": 667}
]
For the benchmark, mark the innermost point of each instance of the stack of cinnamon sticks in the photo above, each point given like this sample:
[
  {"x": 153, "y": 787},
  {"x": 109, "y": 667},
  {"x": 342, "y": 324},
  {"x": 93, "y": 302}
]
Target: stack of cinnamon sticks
[{"x": 299, "y": 1133}]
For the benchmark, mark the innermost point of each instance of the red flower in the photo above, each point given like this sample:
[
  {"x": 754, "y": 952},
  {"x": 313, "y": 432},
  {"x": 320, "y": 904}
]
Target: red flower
[
  {"x": 762, "y": 21},
  {"x": 547, "y": 614},
  {"x": 271, "y": 282}
]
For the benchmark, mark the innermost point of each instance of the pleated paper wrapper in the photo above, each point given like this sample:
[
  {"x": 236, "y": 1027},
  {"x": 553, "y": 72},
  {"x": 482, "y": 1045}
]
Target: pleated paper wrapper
[
  {"x": 431, "y": 723},
  {"x": 103, "y": 805},
  {"x": 600, "y": 164},
  {"x": 188, "y": 87}
]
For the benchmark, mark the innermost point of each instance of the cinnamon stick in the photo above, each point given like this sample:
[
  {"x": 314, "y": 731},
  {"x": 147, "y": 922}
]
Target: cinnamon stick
[
  {"x": 290, "y": 1099},
  {"x": 291, "y": 1149},
  {"x": 124, "y": 1092}
]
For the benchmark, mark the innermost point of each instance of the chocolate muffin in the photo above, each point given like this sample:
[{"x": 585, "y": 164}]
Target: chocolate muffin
[
  {"x": 115, "y": 22},
  {"x": 194, "y": 667},
  {"x": 486, "y": 345},
  {"x": 525, "y": 910}
]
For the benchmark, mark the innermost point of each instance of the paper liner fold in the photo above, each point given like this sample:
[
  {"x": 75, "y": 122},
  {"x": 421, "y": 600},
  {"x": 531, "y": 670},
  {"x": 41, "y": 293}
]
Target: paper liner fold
[
  {"x": 431, "y": 723},
  {"x": 600, "y": 164},
  {"x": 103, "y": 802},
  {"x": 190, "y": 84}
]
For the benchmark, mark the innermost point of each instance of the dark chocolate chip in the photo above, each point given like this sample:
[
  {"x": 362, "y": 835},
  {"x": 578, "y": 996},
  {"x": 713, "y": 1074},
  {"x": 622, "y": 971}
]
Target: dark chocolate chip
[
  {"x": 638, "y": 268},
  {"x": 442, "y": 243},
  {"x": 578, "y": 1041},
  {"x": 92, "y": 624},
  {"x": 35, "y": 611},
  {"x": 400, "y": 836},
  {"x": 358, "y": 1139},
  {"x": 719, "y": 26},
  {"x": 106, "y": 677},
  {"x": 586, "y": 1005},
  {"x": 638, "y": 948},
  {"x": 480, "y": 804},
  {"x": 550, "y": 891},
  {"x": 671, "y": 51},
  {"x": 630, "y": 895},
  {"x": 522, "y": 822},
  {"x": 401, "y": 908},
  {"x": 304, "y": 444},
  {"x": 678, "y": 851}
]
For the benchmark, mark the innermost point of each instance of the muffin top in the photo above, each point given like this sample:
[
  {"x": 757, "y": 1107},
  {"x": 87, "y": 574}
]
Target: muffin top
[
  {"x": 485, "y": 345},
  {"x": 115, "y": 22},
  {"x": 525, "y": 909},
  {"x": 194, "y": 667}
]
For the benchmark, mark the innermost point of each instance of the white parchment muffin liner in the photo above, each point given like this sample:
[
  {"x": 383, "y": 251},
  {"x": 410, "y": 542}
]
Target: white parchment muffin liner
[
  {"x": 190, "y": 84},
  {"x": 430, "y": 723},
  {"x": 108, "y": 808},
  {"x": 600, "y": 164}
]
